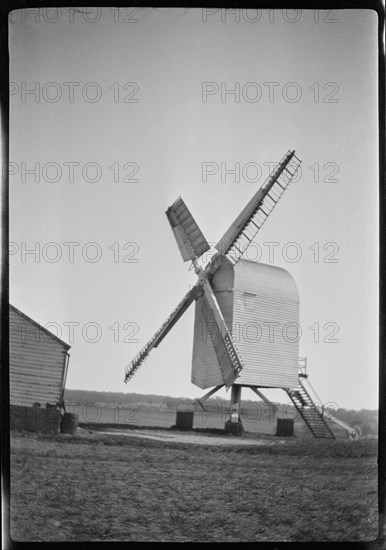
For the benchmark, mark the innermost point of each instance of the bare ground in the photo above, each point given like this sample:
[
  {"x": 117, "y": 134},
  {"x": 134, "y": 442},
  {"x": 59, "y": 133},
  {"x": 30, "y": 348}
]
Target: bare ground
[
  {"x": 190, "y": 437},
  {"x": 98, "y": 486}
]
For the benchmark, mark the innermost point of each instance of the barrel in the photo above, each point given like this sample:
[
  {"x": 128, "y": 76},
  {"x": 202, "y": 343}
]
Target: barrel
[
  {"x": 69, "y": 423},
  {"x": 184, "y": 420},
  {"x": 285, "y": 427}
]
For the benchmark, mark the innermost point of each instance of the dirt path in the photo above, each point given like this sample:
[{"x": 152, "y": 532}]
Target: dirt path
[{"x": 192, "y": 438}]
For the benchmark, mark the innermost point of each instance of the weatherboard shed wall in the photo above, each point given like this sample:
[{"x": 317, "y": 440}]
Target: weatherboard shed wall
[{"x": 38, "y": 362}]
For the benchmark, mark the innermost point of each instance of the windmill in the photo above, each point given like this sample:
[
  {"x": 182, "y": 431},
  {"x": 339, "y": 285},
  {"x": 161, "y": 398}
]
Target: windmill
[{"x": 235, "y": 300}]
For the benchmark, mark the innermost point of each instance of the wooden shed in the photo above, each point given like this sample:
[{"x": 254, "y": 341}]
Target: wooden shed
[
  {"x": 260, "y": 305},
  {"x": 38, "y": 362}
]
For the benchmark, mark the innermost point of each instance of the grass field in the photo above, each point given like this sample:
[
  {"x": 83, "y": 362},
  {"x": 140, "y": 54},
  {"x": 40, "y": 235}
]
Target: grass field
[
  {"x": 164, "y": 419},
  {"x": 255, "y": 420},
  {"x": 95, "y": 486}
]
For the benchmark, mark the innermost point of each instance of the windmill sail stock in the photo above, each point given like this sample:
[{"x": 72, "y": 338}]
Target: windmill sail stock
[
  {"x": 224, "y": 347},
  {"x": 176, "y": 314},
  {"x": 192, "y": 245},
  {"x": 244, "y": 229}
]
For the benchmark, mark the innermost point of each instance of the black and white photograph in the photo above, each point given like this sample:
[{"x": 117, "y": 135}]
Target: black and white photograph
[{"x": 193, "y": 248}]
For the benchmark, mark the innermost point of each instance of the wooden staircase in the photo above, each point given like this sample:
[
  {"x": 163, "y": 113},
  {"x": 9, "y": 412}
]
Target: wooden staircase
[{"x": 309, "y": 412}]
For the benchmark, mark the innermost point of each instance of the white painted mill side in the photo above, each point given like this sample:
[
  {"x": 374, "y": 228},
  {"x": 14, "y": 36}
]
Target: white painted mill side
[
  {"x": 260, "y": 304},
  {"x": 37, "y": 362},
  {"x": 265, "y": 325}
]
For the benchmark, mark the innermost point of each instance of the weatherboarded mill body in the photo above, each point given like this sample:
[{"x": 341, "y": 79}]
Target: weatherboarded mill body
[
  {"x": 38, "y": 362},
  {"x": 260, "y": 303}
]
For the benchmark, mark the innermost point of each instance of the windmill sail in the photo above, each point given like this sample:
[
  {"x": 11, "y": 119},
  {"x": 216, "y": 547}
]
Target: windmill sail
[
  {"x": 192, "y": 244},
  {"x": 190, "y": 240},
  {"x": 247, "y": 224},
  {"x": 176, "y": 314},
  {"x": 225, "y": 349}
]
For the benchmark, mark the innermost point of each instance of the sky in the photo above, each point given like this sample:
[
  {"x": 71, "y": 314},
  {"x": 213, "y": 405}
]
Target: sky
[{"x": 120, "y": 112}]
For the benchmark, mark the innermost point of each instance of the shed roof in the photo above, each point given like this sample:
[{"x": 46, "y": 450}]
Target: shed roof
[{"x": 50, "y": 334}]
